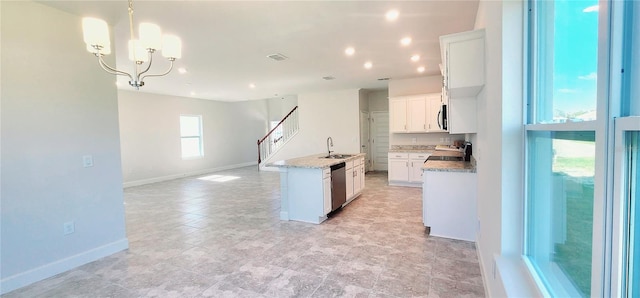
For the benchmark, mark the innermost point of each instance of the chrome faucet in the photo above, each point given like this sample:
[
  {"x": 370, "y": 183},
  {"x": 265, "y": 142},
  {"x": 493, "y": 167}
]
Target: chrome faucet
[{"x": 329, "y": 141}]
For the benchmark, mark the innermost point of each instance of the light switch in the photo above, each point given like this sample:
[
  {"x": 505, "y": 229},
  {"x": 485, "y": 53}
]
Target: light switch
[{"x": 87, "y": 161}]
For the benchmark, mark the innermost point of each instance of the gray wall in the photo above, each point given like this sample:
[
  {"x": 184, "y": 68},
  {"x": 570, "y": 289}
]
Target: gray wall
[
  {"x": 152, "y": 121},
  {"x": 379, "y": 101},
  {"x": 57, "y": 105}
]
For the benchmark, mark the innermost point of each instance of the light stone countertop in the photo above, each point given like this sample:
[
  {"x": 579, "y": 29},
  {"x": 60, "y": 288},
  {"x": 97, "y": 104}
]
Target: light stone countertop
[
  {"x": 449, "y": 166},
  {"x": 313, "y": 161}
]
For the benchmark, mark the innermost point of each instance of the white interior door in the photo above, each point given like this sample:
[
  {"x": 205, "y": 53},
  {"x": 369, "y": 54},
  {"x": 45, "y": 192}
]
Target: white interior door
[
  {"x": 365, "y": 147},
  {"x": 379, "y": 140}
]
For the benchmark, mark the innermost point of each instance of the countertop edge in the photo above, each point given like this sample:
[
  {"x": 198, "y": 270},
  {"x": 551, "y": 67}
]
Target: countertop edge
[{"x": 326, "y": 163}]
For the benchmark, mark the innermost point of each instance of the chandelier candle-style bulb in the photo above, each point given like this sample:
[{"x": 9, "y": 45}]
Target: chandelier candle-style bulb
[
  {"x": 150, "y": 36},
  {"x": 96, "y": 33},
  {"x": 171, "y": 47},
  {"x": 137, "y": 52}
]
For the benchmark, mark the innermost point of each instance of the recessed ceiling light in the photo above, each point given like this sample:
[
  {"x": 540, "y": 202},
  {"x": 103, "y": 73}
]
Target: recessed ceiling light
[
  {"x": 182, "y": 70},
  {"x": 368, "y": 65},
  {"x": 392, "y": 15},
  {"x": 421, "y": 69},
  {"x": 350, "y": 51},
  {"x": 406, "y": 41},
  {"x": 252, "y": 86},
  {"x": 192, "y": 93},
  {"x": 415, "y": 58}
]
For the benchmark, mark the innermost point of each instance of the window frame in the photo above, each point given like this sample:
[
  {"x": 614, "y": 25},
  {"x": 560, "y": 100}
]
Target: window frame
[
  {"x": 603, "y": 123},
  {"x": 199, "y": 137}
]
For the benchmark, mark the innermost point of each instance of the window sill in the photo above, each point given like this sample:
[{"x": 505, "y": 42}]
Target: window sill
[{"x": 516, "y": 278}]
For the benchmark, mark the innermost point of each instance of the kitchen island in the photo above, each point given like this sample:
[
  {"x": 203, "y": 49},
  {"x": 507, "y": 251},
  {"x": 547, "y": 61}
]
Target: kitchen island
[
  {"x": 305, "y": 185},
  {"x": 449, "y": 197}
]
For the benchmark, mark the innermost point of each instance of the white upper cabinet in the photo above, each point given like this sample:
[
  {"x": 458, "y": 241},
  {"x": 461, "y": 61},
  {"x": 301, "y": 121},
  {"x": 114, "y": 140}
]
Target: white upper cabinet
[
  {"x": 416, "y": 116},
  {"x": 463, "y": 63},
  {"x": 398, "y": 115},
  {"x": 415, "y": 113}
]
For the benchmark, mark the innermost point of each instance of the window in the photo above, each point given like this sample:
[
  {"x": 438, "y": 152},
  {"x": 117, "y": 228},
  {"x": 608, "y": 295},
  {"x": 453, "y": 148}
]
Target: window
[
  {"x": 561, "y": 145},
  {"x": 564, "y": 36},
  {"x": 191, "y": 136},
  {"x": 560, "y": 209}
]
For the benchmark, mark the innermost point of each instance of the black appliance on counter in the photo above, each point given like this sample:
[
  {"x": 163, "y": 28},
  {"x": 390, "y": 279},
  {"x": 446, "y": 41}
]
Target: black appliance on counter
[
  {"x": 338, "y": 186},
  {"x": 466, "y": 149}
]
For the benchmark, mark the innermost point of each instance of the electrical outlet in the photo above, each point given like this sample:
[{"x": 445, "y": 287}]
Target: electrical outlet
[
  {"x": 447, "y": 140},
  {"x": 414, "y": 140},
  {"x": 69, "y": 227},
  {"x": 87, "y": 161},
  {"x": 441, "y": 140}
]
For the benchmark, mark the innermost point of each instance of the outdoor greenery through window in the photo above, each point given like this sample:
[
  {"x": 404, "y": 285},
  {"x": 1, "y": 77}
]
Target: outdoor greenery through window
[
  {"x": 191, "y": 136},
  {"x": 560, "y": 210},
  {"x": 563, "y": 71}
]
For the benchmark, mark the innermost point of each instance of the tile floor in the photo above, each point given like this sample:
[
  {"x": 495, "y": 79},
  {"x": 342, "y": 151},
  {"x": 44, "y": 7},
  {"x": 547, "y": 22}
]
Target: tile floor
[{"x": 222, "y": 237}]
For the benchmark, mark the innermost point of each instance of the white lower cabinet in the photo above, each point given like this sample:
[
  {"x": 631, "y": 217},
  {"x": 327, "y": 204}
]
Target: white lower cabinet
[
  {"x": 326, "y": 190},
  {"x": 405, "y": 169},
  {"x": 349, "y": 177},
  {"x": 449, "y": 204},
  {"x": 355, "y": 178}
]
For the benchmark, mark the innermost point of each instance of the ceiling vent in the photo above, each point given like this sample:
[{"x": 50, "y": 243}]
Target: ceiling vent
[
  {"x": 383, "y": 79},
  {"x": 278, "y": 57},
  {"x": 328, "y": 78}
]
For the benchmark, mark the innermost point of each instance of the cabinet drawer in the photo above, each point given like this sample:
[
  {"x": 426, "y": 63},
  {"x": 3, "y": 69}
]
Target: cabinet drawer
[
  {"x": 421, "y": 156},
  {"x": 403, "y": 155},
  {"x": 326, "y": 173}
]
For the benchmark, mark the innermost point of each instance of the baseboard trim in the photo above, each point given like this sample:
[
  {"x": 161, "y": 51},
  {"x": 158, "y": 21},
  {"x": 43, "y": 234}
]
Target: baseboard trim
[
  {"x": 26, "y": 278},
  {"x": 188, "y": 174}
]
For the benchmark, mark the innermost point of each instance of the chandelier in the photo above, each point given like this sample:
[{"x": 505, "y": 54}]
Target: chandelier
[{"x": 96, "y": 36}]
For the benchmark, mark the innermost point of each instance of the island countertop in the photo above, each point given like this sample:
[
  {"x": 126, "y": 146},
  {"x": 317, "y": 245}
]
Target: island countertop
[
  {"x": 449, "y": 166},
  {"x": 315, "y": 161}
]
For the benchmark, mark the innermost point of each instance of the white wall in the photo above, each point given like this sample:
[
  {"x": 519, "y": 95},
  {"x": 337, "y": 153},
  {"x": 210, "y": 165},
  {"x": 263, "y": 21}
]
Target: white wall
[
  {"x": 332, "y": 114},
  {"x": 420, "y": 85},
  {"x": 151, "y": 121},
  {"x": 498, "y": 149},
  {"x": 281, "y": 106},
  {"x": 57, "y": 105}
]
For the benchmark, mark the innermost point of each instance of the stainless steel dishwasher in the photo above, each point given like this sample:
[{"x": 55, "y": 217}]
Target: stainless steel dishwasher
[{"x": 338, "y": 186}]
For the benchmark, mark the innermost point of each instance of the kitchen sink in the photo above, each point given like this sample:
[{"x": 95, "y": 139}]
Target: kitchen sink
[
  {"x": 338, "y": 156},
  {"x": 446, "y": 158}
]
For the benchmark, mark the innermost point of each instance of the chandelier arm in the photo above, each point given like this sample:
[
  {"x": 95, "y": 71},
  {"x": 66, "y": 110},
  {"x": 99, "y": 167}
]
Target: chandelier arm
[
  {"x": 148, "y": 65},
  {"x": 112, "y": 70},
  {"x": 160, "y": 74}
]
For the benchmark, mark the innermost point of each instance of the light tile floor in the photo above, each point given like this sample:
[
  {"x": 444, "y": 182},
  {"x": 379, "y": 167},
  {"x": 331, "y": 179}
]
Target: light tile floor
[{"x": 222, "y": 237}]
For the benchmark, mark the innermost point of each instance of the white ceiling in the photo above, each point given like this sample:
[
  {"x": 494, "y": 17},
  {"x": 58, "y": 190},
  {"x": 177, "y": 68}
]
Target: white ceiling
[{"x": 225, "y": 43}]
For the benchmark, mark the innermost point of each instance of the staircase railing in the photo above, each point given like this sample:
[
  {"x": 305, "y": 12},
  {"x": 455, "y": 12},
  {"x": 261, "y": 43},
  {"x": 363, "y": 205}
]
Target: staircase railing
[{"x": 278, "y": 135}]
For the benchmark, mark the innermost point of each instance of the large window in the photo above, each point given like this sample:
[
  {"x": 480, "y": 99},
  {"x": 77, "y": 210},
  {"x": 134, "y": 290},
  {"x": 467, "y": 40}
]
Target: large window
[
  {"x": 191, "y": 136},
  {"x": 561, "y": 144}
]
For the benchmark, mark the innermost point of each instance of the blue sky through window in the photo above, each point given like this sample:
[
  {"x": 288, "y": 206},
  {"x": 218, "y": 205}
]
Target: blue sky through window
[{"x": 575, "y": 58}]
